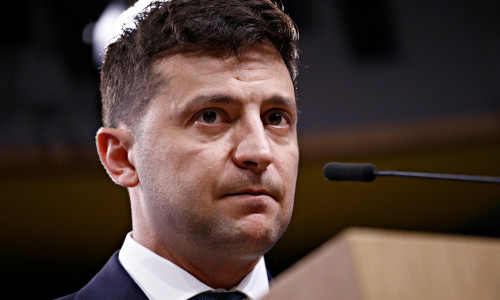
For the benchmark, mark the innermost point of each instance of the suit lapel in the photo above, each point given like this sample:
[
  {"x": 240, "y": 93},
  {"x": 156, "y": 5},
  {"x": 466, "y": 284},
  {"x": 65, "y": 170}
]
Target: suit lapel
[{"x": 112, "y": 282}]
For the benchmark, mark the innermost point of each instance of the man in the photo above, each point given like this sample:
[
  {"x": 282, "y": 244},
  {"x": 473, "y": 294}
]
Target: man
[{"x": 199, "y": 121}]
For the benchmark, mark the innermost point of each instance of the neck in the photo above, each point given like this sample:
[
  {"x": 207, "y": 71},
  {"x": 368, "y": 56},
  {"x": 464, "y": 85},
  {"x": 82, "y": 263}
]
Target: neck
[
  {"x": 225, "y": 275},
  {"x": 217, "y": 270}
]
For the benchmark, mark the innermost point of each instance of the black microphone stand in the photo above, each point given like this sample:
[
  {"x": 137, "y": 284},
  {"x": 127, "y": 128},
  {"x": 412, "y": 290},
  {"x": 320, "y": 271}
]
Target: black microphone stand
[
  {"x": 474, "y": 178},
  {"x": 367, "y": 172}
]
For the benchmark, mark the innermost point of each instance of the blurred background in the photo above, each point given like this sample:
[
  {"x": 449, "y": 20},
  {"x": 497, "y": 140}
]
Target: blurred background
[{"x": 405, "y": 85}]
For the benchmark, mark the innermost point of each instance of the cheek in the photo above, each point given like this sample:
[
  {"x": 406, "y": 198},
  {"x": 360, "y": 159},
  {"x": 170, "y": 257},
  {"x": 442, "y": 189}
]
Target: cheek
[
  {"x": 196, "y": 166},
  {"x": 164, "y": 161},
  {"x": 291, "y": 162},
  {"x": 288, "y": 161}
]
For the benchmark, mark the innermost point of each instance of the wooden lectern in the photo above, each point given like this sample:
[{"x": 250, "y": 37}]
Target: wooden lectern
[{"x": 369, "y": 264}]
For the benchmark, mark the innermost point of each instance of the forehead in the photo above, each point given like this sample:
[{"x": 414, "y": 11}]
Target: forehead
[{"x": 259, "y": 65}]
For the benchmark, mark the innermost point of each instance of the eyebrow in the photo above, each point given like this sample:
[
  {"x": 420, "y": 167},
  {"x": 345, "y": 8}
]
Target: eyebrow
[
  {"x": 282, "y": 101},
  {"x": 206, "y": 100}
]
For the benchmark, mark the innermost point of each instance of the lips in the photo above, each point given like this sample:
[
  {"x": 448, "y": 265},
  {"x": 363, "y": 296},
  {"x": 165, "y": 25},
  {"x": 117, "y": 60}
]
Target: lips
[
  {"x": 248, "y": 202},
  {"x": 251, "y": 193},
  {"x": 265, "y": 188}
]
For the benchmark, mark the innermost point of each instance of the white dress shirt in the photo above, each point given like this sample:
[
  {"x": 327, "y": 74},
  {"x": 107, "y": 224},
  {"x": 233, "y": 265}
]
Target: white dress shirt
[{"x": 161, "y": 279}]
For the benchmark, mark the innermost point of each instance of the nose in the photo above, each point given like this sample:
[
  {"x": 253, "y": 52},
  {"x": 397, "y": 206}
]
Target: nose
[{"x": 253, "y": 150}]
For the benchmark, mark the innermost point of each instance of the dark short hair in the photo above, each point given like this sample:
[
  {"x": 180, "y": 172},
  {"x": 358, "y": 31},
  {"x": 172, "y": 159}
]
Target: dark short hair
[{"x": 128, "y": 79}]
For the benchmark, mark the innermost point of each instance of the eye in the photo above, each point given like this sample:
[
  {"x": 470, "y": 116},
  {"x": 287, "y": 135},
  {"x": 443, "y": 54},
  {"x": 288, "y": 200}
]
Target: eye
[
  {"x": 276, "y": 118},
  {"x": 211, "y": 116}
]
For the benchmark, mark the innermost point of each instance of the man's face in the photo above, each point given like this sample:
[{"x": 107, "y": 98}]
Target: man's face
[{"x": 217, "y": 155}]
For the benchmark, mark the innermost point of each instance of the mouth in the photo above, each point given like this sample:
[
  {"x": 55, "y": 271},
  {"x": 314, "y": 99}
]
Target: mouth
[
  {"x": 251, "y": 194},
  {"x": 249, "y": 202}
]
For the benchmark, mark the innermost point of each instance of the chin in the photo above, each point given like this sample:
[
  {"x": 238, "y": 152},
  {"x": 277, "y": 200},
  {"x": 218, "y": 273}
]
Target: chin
[{"x": 259, "y": 233}]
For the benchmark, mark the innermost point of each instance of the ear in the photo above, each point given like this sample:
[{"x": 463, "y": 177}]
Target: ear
[{"x": 114, "y": 146}]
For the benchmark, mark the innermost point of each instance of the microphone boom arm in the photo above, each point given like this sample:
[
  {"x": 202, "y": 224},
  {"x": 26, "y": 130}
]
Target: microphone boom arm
[
  {"x": 367, "y": 172},
  {"x": 475, "y": 178}
]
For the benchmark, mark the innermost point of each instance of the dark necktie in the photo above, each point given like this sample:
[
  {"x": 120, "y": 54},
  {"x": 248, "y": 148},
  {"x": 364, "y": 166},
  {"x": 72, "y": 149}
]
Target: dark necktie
[{"x": 219, "y": 296}]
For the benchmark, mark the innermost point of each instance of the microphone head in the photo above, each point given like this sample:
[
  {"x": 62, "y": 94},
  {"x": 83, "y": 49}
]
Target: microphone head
[{"x": 353, "y": 172}]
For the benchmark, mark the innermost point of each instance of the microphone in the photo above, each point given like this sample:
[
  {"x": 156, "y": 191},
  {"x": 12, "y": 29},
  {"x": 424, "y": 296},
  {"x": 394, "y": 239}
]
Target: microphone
[{"x": 367, "y": 172}]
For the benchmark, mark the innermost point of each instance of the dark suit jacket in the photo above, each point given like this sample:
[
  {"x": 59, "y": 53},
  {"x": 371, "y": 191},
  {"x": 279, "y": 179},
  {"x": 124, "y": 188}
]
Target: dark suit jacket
[{"x": 113, "y": 283}]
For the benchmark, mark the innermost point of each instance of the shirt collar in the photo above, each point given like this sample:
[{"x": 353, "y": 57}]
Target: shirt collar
[{"x": 161, "y": 279}]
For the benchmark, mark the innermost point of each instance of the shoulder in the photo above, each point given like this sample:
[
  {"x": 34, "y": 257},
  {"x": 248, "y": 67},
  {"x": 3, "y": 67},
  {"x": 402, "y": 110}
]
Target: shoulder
[
  {"x": 112, "y": 282},
  {"x": 68, "y": 297},
  {"x": 269, "y": 276}
]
